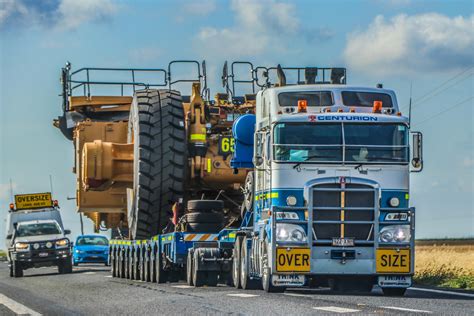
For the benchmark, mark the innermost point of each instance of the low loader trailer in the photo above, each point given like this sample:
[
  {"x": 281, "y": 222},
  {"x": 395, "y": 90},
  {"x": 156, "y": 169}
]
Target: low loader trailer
[{"x": 325, "y": 201}]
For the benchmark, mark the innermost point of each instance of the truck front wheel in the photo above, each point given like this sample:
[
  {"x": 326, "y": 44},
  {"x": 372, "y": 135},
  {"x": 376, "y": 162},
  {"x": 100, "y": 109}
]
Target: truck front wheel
[{"x": 266, "y": 275}]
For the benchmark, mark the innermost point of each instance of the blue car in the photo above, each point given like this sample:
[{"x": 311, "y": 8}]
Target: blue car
[{"x": 91, "y": 249}]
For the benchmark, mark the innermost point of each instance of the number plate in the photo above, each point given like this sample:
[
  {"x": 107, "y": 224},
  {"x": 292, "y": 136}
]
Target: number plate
[
  {"x": 393, "y": 261},
  {"x": 288, "y": 279},
  {"x": 226, "y": 145},
  {"x": 394, "y": 280},
  {"x": 293, "y": 259},
  {"x": 43, "y": 254},
  {"x": 343, "y": 242}
]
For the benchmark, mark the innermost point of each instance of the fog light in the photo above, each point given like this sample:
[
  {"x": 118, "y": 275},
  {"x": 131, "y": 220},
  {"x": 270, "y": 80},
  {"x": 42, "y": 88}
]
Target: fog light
[
  {"x": 49, "y": 244},
  {"x": 36, "y": 246},
  {"x": 394, "y": 202}
]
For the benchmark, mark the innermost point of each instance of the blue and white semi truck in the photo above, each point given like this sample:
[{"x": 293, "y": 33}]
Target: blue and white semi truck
[{"x": 326, "y": 201}]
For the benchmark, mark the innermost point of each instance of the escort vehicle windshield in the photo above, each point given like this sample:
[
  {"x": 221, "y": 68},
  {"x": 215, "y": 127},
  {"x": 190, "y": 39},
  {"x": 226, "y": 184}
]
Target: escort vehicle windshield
[
  {"x": 341, "y": 143},
  {"x": 27, "y": 230}
]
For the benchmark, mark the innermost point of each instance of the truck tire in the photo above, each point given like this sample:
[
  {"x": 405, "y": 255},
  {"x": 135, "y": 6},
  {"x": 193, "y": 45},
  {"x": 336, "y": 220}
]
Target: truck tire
[
  {"x": 236, "y": 262},
  {"x": 199, "y": 277},
  {"x": 204, "y": 217},
  {"x": 266, "y": 275},
  {"x": 189, "y": 268},
  {"x": 156, "y": 126},
  {"x": 245, "y": 281},
  {"x": 161, "y": 274},
  {"x": 205, "y": 205},
  {"x": 17, "y": 269}
]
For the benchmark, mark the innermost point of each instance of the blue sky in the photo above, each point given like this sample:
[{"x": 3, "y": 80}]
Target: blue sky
[{"x": 428, "y": 44}]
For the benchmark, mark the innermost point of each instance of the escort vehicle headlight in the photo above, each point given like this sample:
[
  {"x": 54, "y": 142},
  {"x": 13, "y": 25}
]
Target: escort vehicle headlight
[
  {"x": 291, "y": 200},
  {"x": 395, "y": 233},
  {"x": 62, "y": 242},
  {"x": 21, "y": 246},
  {"x": 394, "y": 202},
  {"x": 290, "y": 232}
]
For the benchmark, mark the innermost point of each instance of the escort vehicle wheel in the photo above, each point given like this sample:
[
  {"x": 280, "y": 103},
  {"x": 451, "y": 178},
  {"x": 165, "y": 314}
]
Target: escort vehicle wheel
[
  {"x": 245, "y": 281},
  {"x": 161, "y": 274},
  {"x": 236, "y": 262},
  {"x": 156, "y": 127},
  {"x": 67, "y": 264},
  {"x": 205, "y": 206},
  {"x": 11, "y": 270},
  {"x": 189, "y": 268},
  {"x": 394, "y": 291},
  {"x": 199, "y": 277},
  {"x": 266, "y": 275},
  {"x": 17, "y": 269}
]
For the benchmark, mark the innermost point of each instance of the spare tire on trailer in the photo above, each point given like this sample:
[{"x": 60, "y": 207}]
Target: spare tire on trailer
[
  {"x": 156, "y": 127},
  {"x": 205, "y": 205}
]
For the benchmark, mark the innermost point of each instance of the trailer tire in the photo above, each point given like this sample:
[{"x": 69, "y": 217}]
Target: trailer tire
[
  {"x": 17, "y": 269},
  {"x": 212, "y": 278},
  {"x": 205, "y": 205},
  {"x": 199, "y": 217},
  {"x": 199, "y": 277},
  {"x": 204, "y": 227},
  {"x": 161, "y": 274},
  {"x": 236, "y": 262},
  {"x": 156, "y": 126},
  {"x": 113, "y": 268},
  {"x": 189, "y": 268}
]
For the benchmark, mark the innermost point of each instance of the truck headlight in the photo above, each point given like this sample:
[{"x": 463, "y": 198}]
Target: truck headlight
[
  {"x": 62, "y": 242},
  {"x": 290, "y": 232},
  {"x": 21, "y": 246},
  {"x": 395, "y": 233}
]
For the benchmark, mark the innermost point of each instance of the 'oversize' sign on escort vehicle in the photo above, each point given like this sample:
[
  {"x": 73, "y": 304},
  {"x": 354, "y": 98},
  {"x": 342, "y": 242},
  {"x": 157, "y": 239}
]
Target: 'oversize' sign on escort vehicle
[
  {"x": 293, "y": 259},
  {"x": 35, "y": 200}
]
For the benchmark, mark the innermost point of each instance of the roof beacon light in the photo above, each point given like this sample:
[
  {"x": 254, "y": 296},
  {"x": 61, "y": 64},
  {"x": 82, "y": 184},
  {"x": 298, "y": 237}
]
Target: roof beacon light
[
  {"x": 352, "y": 110},
  {"x": 377, "y": 107},
  {"x": 340, "y": 110},
  {"x": 12, "y": 206},
  {"x": 55, "y": 203},
  {"x": 302, "y": 106}
]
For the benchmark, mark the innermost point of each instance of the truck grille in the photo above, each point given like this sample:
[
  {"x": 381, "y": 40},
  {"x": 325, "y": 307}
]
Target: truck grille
[{"x": 343, "y": 210}]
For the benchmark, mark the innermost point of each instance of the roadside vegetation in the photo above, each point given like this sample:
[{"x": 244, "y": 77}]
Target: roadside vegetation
[
  {"x": 3, "y": 255},
  {"x": 445, "y": 263}
]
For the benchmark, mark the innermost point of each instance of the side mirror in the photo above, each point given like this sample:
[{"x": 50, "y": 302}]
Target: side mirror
[
  {"x": 417, "y": 152},
  {"x": 258, "y": 161},
  {"x": 9, "y": 236},
  {"x": 67, "y": 232},
  {"x": 15, "y": 225}
]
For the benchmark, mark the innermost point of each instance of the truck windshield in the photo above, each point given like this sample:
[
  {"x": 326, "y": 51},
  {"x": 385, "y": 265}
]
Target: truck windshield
[
  {"x": 92, "y": 241},
  {"x": 341, "y": 143},
  {"x": 37, "y": 229}
]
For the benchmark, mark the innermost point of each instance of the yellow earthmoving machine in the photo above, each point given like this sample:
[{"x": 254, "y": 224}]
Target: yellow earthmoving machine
[{"x": 145, "y": 159}]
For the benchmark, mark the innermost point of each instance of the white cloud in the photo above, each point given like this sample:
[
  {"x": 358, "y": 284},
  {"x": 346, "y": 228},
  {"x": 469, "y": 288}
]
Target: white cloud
[
  {"x": 468, "y": 162},
  {"x": 74, "y": 13},
  {"x": 201, "y": 8},
  {"x": 258, "y": 26},
  {"x": 407, "y": 44},
  {"x": 59, "y": 14}
]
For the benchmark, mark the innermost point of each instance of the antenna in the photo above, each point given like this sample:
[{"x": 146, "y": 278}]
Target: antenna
[
  {"x": 51, "y": 184},
  {"x": 409, "y": 106}
]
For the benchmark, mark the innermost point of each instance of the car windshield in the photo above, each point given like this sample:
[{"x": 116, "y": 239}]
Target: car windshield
[
  {"x": 27, "y": 230},
  {"x": 346, "y": 142},
  {"x": 92, "y": 241}
]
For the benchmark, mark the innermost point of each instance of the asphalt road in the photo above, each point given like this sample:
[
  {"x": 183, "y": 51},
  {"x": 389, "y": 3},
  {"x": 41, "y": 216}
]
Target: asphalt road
[{"x": 91, "y": 290}]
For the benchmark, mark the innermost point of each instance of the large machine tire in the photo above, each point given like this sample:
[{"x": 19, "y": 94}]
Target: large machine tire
[
  {"x": 156, "y": 126},
  {"x": 205, "y": 205}
]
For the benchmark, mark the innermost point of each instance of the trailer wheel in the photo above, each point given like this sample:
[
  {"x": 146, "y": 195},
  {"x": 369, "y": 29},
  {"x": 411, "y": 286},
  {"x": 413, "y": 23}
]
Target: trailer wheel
[
  {"x": 153, "y": 266},
  {"x": 113, "y": 268},
  {"x": 393, "y": 291},
  {"x": 236, "y": 262},
  {"x": 161, "y": 274},
  {"x": 156, "y": 127},
  {"x": 199, "y": 277},
  {"x": 143, "y": 264},
  {"x": 246, "y": 282},
  {"x": 17, "y": 269},
  {"x": 189, "y": 268},
  {"x": 119, "y": 263}
]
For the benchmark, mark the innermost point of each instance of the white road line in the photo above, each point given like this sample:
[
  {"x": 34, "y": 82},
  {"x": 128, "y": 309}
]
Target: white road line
[
  {"x": 441, "y": 292},
  {"x": 297, "y": 294},
  {"x": 243, "y": 295},
  {"x": 406, "y": 309},
  {"x": 183, "y": 286},
  {"x": 89, "y": 272},
  {"x": 107, "y": 276},
  {"x": 336, "y": 309},
  {"x": 16, "y": 307}
]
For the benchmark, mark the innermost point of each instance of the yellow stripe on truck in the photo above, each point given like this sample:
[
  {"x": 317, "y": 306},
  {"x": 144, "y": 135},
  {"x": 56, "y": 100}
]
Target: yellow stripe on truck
[{"x": 201, "y": 137}]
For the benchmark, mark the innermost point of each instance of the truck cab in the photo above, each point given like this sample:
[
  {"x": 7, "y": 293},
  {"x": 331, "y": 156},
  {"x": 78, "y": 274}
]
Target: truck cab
[{"x": 328, "y": 199}]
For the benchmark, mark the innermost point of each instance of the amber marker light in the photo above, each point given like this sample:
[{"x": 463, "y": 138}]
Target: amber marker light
[
  {"x": 12, "y": 206},
  {"x": 302, "y": 106},
  {"x": 352, "y": 110},
  {"x": 377, "y": 108}
]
